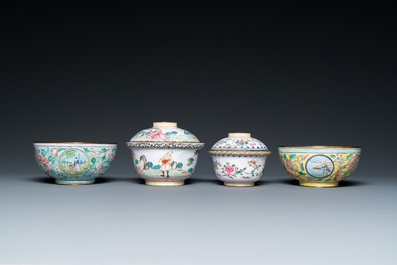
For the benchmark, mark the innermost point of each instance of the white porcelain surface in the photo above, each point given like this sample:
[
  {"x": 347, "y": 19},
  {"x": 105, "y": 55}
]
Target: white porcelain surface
[
  {"x": 164, "y": 155},
  {"x": 239, "y": 159}
]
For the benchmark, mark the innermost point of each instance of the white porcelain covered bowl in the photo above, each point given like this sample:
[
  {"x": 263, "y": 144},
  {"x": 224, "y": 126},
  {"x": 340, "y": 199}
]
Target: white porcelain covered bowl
[
  {"x": 239, "y": 159},
  {"x": 164, "y": 155}
]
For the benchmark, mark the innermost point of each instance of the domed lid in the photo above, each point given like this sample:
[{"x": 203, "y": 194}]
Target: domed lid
[
  {"x": 239, "y": 141},
  {"x": 165, "y": 135},
  {"x": 164, "y": 132},
  {"x": 239, "y": 144}
]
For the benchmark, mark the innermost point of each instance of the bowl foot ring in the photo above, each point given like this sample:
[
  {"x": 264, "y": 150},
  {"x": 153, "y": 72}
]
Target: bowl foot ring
[
  {"x": 65, "y": 182},
  {"x": 164, "y": 183},
  {"x": 319, "y": 184},
  {"x": 239, "y": 184}
]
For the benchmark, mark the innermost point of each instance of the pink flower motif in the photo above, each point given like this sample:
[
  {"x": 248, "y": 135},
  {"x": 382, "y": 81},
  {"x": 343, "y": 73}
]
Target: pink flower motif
[
  {"x": 338, "y": 159},
  {"x": 303, "y": 157},
  {"x": 253, "y": 162},
  {"x": 54, "y": 152},
  {"x": 229, "y": 169},
  {"x": 292, "y": 169},
  {"x": 37, "y": 152},
  {"x": 113, "y": 155},
  {"x": 107, "y": 153},
  {"x": 44, "y": 162},
  {"x": 46, "y": 171},
  {"x": 337, "y": 174},
  {"x": 156, "y": 134},
  {"x": 352, "y": 163}
]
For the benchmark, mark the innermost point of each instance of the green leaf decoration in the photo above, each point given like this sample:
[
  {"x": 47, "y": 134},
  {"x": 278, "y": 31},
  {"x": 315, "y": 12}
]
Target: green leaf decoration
[
  {"x": 107, "y": 163},
  {"x": 343, "y": 167},
  {"x": 292, "y": 156},
  {"x": 103, "y": 157},
  {"x": 86, "y": 150},
  {"x": 301, "y": 173},
  {"x": 93, "y": 160},
  {"x": 190, "y": 161},
  {"x": 70, "y": 153},
  {"x": 285, "y": 157},
  {"x": 349, "y": 156},
  {"x": 332, "y": 156},
  {"x": 43, "y": 153},
  {"x": 303, "y": 169},
  {"x": 51, "y": 159},
  {"x": 103, "y": 150}
]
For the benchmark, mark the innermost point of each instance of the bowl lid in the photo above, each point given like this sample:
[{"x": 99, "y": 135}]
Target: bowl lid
[
  {"x": 239, "y": 141},
  {"x": 164, "y": 132}
]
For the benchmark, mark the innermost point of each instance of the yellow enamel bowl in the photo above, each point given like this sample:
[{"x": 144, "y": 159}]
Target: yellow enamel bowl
[{"x": 319, "y": 166}]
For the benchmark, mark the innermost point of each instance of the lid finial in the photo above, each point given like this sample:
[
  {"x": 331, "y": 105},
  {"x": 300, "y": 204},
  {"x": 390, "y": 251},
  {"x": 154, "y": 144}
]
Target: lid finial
[
  {"x": 164, "y": 124},
  {"x": 239, "y": 134}
]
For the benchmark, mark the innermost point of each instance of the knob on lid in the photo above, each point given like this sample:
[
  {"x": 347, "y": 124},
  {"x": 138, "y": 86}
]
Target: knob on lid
[
  {"x": 239, "y": 141},
  {"x": 164, "y": 132},
  {"x": 164, "y": 124},
  {"x": 239, "y": 134}
]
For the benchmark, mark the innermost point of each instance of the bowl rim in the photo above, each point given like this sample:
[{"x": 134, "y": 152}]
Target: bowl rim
[
  {"x": 238, "y": 152},
  {"x": 320, "y": 146},
  {"x": 72, "y": 143}
]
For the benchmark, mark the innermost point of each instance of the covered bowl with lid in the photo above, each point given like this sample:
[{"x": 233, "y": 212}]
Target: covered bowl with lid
[
  {"x": 164, "y": 155},
  {"x": 239, "y": 159}
]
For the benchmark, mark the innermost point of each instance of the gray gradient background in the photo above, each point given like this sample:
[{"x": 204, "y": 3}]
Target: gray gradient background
[{"x": 301, "y": 75}]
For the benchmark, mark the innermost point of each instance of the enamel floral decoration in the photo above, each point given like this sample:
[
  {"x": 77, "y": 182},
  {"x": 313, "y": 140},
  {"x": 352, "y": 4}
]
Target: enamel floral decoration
[
  {"x": 74, "y": 163},
  {"x": 164, "y": 155},
  {"x": 319, "y": 166},
  {"x": 239, "y": 159}
]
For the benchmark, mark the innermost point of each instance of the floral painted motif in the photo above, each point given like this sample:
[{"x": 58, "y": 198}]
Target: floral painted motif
[
  {"x": 172, "y": 134},
  {"x": 233, "y": 172},
  {"x": 165, "y": 166},
  {"x": 154, "y": 134},
  {"x": 240, "y": 144},
  {"x": 324, "y": 167},
  {"x": 74, "y": 163}
]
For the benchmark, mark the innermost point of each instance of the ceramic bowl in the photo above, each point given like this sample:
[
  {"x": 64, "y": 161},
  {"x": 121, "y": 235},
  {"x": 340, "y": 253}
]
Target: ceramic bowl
[
  {"x": 164, "y": 155},
  {"x": 239, "y": 159},
  {"x": 74, "y": 163},
  {"x": 319, "y": 166}
]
